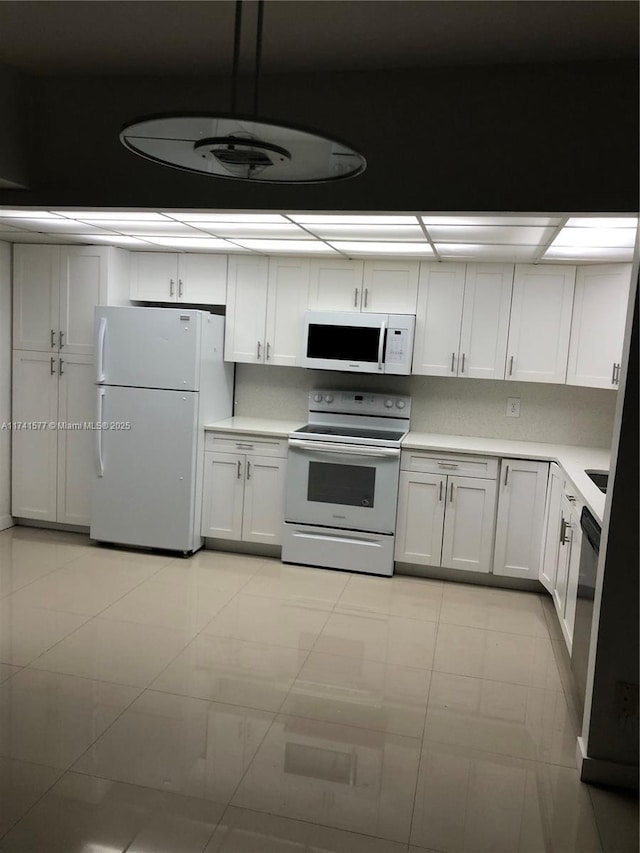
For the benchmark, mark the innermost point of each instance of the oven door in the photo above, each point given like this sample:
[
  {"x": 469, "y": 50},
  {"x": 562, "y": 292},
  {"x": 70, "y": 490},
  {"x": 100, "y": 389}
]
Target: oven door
[{"x": 353, "y": 487}]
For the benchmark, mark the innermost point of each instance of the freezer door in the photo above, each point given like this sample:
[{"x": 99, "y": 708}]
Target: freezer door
[
  {"x": 148, "y": 347},
  {"x": 144, "y": 487}
]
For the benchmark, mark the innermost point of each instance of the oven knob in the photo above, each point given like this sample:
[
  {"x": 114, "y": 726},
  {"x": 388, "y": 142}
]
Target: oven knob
[
  {"x": 317, "y": 398},
  {"x": 400, "y": 404},
  {"x": 328, "y": 398},
  {"x": 388, "y": 403}
]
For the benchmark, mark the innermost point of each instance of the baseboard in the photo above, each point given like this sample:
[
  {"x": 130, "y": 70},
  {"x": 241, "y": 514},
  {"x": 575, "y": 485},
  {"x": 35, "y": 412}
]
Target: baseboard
[
  {"x": 5, "y": 522},
  {"x": 51, "y": 525},
  {"x": 597, "y": 771},
  {"x": 253, "y": 548},
  {"x": 460, "y": 576}
]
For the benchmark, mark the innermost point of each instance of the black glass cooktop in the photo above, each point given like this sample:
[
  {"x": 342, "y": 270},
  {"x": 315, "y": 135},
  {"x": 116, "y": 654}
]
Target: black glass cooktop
[{"x": 352, "y": 432}]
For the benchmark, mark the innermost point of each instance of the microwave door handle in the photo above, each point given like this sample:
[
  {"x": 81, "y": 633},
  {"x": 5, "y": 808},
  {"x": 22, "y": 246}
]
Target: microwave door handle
[
  {"x": 383, "y": 329},
  {"x": 345, "y": 449}
]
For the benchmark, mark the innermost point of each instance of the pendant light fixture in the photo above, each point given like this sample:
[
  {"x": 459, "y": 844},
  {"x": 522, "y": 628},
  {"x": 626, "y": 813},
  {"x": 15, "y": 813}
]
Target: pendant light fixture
[{"x": 242, "y": 147}]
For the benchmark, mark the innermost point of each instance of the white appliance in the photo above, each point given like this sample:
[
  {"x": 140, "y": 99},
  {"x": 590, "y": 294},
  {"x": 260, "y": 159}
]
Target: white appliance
[
  {"x": 358, "y": 343},
  {"x": 160, "y": 379},
  {"x": 342, "y": 482}
]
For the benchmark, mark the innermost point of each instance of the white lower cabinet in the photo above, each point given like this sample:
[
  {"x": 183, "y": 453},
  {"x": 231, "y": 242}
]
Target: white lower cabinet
[
  {"x": 52, "y": 465},
  {"x": 552, "y": 528},
  {"x": 445, "y": 520},
  {"x": 521, "y": 505},
  {"x": 243, "y": 495},
  {"x": 565, "y": 585}
]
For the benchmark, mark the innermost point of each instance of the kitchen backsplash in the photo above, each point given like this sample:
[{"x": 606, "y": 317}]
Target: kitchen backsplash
[{"x": 559, "y": 414}]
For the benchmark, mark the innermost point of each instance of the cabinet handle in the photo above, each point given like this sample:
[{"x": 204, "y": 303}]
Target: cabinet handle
[
  {"x": 171, "y": 287},
  {"x": 248, "y": 470},
  {"x": 448, "y": 465},
  {"x": 506, "y": 474},
  {"x": 440, "y": 494},
  {"x": 60, "y": 370},
  {"x": 355, "y": 299},
  {"x": 453, "y": 358},
  {"x": 563, "y": 530},
  {"x": 52, "y": 368},
  {"x": 366, "y": 296},
  {"x": 510, "y": 365},
  {"x": 463, "y": 358},
  {"x": 241, "y": 446},
  {"x": 268, "y": 350},
  {"x": 53, "y": 339},
  {"x": 451, "y": 494},
  {"x": 61, "y": 339},
  {"x": 259, "y": 350},
  {"x": 239, "y": 469},
  {"x": 615, "y": 376},
  {"x": 179, "y": 287}
]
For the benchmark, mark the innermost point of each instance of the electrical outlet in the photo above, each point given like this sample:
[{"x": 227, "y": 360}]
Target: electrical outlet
[
  {"x": 626, "y": 698},
  {"x": 513, "y": 407}
]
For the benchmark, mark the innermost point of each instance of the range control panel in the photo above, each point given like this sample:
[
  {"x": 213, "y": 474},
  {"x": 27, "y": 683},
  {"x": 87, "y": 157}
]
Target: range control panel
[{"x": 360, "y": 402}]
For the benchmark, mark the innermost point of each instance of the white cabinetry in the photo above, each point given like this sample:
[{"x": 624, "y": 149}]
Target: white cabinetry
[
  {"x": 597, "y": 325},
  {"x": 244, "y": 488},
  {"x": 552, "y": 526},
  {"x": 565, "y": 586},
  {"x": 462, "y": 320},
  {"x": 194, "y": 278},
  {"x": 377, "y": 286},
  {"x": 267, "y": 298},
  {"x": 521, "y": 505},
  {"x": 540, "y": 322},
  {"x": 52, "y": 465},
  {"x": 444, "y": 518}
]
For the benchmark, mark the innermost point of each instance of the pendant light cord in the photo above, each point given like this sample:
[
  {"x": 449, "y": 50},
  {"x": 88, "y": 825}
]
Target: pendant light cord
[
  {"x": 256, "y": 77},
  {"x": 236, "y": 56}
]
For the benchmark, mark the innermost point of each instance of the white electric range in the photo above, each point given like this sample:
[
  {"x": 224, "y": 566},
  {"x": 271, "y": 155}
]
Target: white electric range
[{"x": 342, "y": 481}]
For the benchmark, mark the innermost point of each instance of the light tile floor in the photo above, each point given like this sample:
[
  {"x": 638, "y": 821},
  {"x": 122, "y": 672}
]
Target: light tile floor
[{"x": 229, "y": 703}]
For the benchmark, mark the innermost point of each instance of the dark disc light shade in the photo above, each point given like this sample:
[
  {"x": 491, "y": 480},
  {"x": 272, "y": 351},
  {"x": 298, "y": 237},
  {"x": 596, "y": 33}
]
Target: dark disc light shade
[{"x": 241, "y": 148}]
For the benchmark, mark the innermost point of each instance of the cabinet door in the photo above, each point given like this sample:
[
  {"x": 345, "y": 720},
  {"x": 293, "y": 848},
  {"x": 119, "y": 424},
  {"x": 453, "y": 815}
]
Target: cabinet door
[
  {"x": 469, "y": 523},
  {"x": 83, "y": 285},
  {"x": 288, "y": 297},
  {"x": 390, "y": 287},
  {"x": 420, "y": 518},
  {"x": 202, "y": 279},
  {"x": 520, "y": 517},
  {"x": 34, "y": 451},
  {"x": 597, "y": 325},
  {"x": 335, "y": 285},
  {"x": 573, "y": 576},
  {"x": 438, "y": 319},
  {"x": 263, "y": 499},
  {"x": 246, "y": 309},
  {"x": 76, "y": 406},
  {"x": 36, "y": 295},
  {"x": 553, "y": 511},
  {"x": 485, "y": 320},
  {"x": 540, "y": 323},
  {"x": 223, "y": 495},
  {"x": 154, "y": 276}
]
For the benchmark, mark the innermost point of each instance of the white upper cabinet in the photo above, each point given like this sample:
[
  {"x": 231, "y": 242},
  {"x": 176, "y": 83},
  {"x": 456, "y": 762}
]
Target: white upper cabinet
[
  {"x": 438, "y": 319},
  {"x": 390, "y": 287},
  {"x": 198, "y": 279},
  {"x": 287, "y": 300},
  {"x": 485, "y": 320},
  {"x": 335, "y": 285},
  {"x": 246, "y": 309},
  {"x": 56, "y": 289},
  {"x": 540, "y": 322},
  {"x": 597, "y": 325}
]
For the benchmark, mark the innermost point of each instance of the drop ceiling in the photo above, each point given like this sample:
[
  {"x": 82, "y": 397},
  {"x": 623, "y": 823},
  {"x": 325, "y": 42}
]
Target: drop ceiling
[{"x": 519, "y": 239}]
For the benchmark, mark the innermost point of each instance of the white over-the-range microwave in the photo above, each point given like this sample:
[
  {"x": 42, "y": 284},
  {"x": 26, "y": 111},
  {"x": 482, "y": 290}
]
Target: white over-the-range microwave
[{"x": 358, "y": 342}]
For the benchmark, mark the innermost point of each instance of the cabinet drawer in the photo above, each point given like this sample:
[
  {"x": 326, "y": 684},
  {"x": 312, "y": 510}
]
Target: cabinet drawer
[
  {"x": 261, "y": 445},
  {"x": 448, "y": 463}
]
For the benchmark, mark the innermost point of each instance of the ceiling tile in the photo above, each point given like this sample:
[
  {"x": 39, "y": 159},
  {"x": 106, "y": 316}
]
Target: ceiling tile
[
  {"x": 363, "y": 247},
  {"x": 486, "y": 252},
  {"x": 182, "y": 243},
  {"x": 466, "y": 219},
  {"x": 398, "y": 233},
  {"x": 226, "y": 217},
  {"x": 349, "y": 219},
  {"x": 309, "y": 247},
  {"x": 588, "y": 253},
  {"x": 108, "y": 214},
  {"x": 137, "y": 229},
  {"x": 56, "y": 226},
  {"x": 603, "y": 222},
  {"x": 498, "y": 234},
  {"x": 265, "y": 231},
  {"x": 597, "y": 237}
]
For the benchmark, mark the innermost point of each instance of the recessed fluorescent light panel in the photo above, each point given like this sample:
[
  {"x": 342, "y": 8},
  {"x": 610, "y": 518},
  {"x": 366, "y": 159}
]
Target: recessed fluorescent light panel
[
  {"x": 203, "y": 243},
  {"x": 28, "y": 214},
  {"x": 362, "y": 247},
  {"x": 335, "y": 219},
  {"x": 306, "y": 247},
  {"x": 602, "y": 222},
  {"x": 265, "y": 230},
  {"x": 465, "y": 219},
  {"x": 495, "y": 234},
  {"x": 486, "y": 252},
  {"x": 396, "y": 233},
  {"x": 226, "y": 217},
  {"x": 112, "y": 215},
  {"x": 587, "y": 253},
  {"x": 613, "y": 238},
  {"x": 151, "y": 228}
]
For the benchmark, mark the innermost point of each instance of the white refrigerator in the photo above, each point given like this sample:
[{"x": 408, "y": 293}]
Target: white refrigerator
[{"x": 160, "y": 378}]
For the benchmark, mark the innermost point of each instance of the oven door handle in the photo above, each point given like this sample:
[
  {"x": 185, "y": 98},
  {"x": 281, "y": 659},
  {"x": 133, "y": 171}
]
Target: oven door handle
[{"x": 345, "y": 449}]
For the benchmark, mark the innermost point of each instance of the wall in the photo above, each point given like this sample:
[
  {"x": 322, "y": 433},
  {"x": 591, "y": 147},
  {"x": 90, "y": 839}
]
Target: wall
[
  {"x": 553, "y": 413},
  {"x": 545, "y": 137},
  {"x": 5, "y": 384},
  {"x": 15, "y": 112}
]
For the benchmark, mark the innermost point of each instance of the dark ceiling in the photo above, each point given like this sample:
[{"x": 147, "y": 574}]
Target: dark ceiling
[{"x": 192, "y": 38}]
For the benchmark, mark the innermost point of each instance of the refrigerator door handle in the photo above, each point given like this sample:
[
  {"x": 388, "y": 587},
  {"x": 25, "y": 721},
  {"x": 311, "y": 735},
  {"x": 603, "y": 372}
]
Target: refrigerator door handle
[
  {"x": 102, "y": 334},
  {"x": 99, "y": 459}
]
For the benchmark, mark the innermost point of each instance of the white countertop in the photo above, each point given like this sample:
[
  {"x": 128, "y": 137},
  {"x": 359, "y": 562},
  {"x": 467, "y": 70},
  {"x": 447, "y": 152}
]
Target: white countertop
[
  {"x": 572, "y": 459},
  {"x": 248, "y": 426}
]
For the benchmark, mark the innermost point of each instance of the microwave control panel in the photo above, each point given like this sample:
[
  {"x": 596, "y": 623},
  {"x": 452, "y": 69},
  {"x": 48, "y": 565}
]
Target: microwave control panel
[{"x": 397, "y": 346}]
